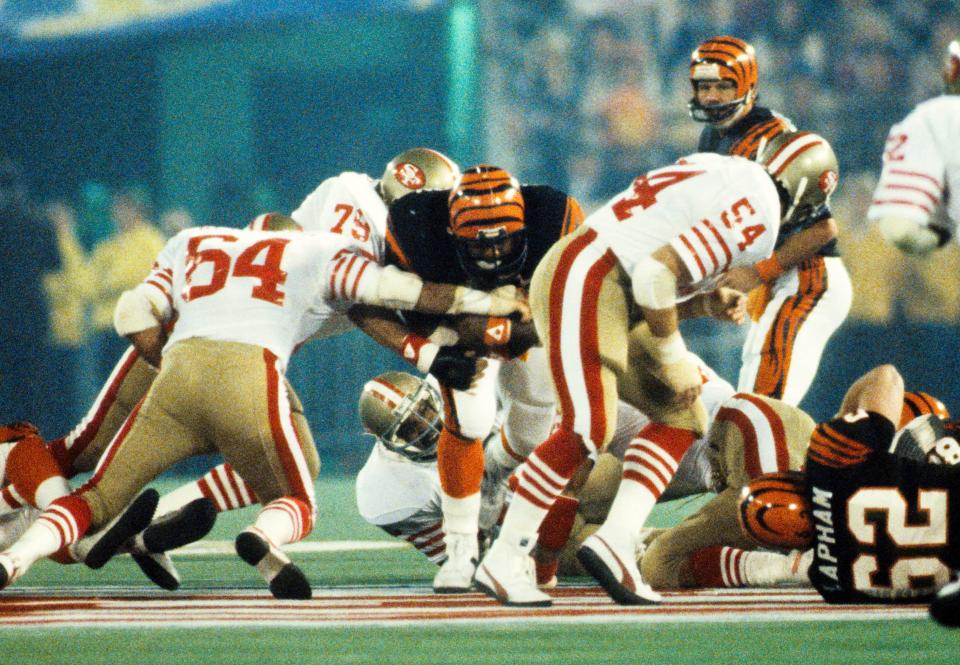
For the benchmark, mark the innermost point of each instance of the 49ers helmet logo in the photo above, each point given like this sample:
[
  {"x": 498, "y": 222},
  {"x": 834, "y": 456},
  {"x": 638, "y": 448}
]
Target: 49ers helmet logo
[
  {"x": 410, "y": 175},
  {"x": 828, "y": 182}
]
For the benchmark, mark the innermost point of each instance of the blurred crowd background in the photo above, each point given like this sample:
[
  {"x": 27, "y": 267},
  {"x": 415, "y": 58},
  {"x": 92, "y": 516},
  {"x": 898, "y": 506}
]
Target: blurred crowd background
[{"x": 124, "y": 122}]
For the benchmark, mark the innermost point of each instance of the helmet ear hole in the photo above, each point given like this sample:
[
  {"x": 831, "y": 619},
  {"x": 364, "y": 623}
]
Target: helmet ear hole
[{"x": 773, "y": 511}]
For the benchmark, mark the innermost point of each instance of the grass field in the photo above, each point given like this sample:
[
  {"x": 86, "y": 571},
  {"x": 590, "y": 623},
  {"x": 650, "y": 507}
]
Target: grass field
[{"x": 525, "y": 637}]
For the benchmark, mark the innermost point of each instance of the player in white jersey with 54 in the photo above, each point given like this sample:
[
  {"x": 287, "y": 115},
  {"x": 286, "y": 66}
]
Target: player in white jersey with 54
[
  {"x": 921, "y": 166},
  {"x": 243, "y": 301},
  {"x": 605, "y": 306}
]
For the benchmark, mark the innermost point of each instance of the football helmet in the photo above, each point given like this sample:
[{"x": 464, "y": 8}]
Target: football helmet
[
  {"x": 951, "y": 71},
  {"x": 415, "y": 170},
  {"x": 916, "y": 404},
  {"x": 723, "y": 58},
  {"x": 805, "y": 168},
  {"x": 487, "y": 222},
  {"x": 273, "y": 221},
  {"x": 773, "y": 511},
  {"x": 403, "y": 413}
]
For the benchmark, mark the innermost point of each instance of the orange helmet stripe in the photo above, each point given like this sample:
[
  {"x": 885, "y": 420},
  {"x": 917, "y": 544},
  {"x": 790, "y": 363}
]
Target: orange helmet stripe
[{"x": 486, "y": 196}]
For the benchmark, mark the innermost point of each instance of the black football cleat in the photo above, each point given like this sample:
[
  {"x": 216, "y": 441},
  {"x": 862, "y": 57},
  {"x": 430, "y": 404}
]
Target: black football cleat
[
  {"x": 134, "y": 519},
  {"x": 286, "y": 580}
]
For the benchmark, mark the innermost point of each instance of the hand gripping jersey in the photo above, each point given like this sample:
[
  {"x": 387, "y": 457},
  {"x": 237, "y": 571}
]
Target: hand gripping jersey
[
  {"x": 256, "y": 287},
  {"x": 419, "y": 241},
  {"x": 921, "y": 164},
  {"x": 715, "y": 211},
  {"x": 887, "y": 529},
  {"x": 349, "y": 205}
]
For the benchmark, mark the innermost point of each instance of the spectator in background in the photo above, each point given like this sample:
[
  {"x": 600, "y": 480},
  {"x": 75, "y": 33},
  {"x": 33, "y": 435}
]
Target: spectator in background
[
  {"x": 28, "y": 251},
  {"x": 116, "y": 264}
]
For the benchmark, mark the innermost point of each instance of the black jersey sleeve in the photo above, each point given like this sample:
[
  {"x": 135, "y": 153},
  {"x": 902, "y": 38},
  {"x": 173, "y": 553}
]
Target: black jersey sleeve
[
  {"x": 850, "y": 440},
  {"x": 418, "y": 240}
]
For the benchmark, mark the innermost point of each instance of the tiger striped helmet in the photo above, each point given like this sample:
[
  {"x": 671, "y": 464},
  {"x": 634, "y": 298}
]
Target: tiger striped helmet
[
  {"x": 415, "y": 170},
  {"x": 487, "y": 222},
  {"x": 723, "y": 58},
  {"x": 951, "y": 71},
  {"x": 773, "y": 511},
  {"x": 804, "y": 166},
  {"x": 916, "y": 404}
]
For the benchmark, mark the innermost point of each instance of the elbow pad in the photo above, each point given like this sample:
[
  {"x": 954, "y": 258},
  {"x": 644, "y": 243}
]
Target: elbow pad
[
  {"x": 135, "y": 311},
  {"x": 654, "y": 284},
  {"x": 910, "y": 236}
]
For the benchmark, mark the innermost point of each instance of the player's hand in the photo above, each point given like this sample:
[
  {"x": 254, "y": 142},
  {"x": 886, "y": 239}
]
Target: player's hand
[
  {"x": 457, "y": 367},
  {"x": 684, "y": 379},
  {"x": 726, "y": 304},
  {"x": 741, "y": 278},
  {"x": 510, "y": 301}
]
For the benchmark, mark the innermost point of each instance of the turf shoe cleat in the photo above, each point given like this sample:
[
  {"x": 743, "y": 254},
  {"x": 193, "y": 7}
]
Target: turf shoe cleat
[
  {"x": 614, "y": 567},
  {"x": 283, "y": 577},
  {"x": 101, "y": 547},
  {"x": 158, "y": 568},
  {"x": 456, "y": 573},
  {"x": 506, "y": 574}
]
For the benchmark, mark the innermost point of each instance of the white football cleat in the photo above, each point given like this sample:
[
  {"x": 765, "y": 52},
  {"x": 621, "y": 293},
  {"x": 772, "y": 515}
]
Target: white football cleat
[
  {"x": 614, "y": 565},
  {"x": 506, "y": 574},
  {"x": 456, "y": 573}
]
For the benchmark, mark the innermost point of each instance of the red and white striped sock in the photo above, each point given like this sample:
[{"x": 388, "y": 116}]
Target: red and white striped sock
[
  {"x": 722, "y": 566},
  {"x": 649, "y": 463},
  {"x": 61, "y": 524},
  {"x": 285, "y": 520},
  {"x": 537, "y": 483},
  {"x": 429, "y": 541},
  {"x": 34, "y": 473},
  {"x": 222, "y": 485}
]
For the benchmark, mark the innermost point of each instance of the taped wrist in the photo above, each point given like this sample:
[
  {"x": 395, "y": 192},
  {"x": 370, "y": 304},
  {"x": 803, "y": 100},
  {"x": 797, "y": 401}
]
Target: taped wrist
[
  {"x": 395, "y": 288},
  {"x": 470, "y": 301},
  {"x": 665, "y": 350},
  {"x": 654, "y": 284},
  {"x": 419, "y": 351}
]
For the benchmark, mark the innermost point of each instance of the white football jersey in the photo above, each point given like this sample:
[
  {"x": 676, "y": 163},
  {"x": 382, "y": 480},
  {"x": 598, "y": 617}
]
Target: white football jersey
[
  {"x": 259, "y": 287},
  {"x": 347, "y": 204},
  {"x": 921, "y": 164},
  {"x": 716, "y": 211}
]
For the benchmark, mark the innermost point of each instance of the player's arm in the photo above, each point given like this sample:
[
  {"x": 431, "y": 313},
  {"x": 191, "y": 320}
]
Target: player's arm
[
  {"x": 142, "y": 312},
  {"x": 912, "y": 236},
  {"x": 880, "y": 390},
  {"x": 655, "y": 280},
  {"x": 722, "y": 304},
  {"x": 795, "y": 249}
]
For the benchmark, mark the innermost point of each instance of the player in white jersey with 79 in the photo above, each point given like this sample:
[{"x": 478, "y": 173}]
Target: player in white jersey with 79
[
  {"x": 605, "y": 306},
  {"x": 921, "y": 166},
  {"x": 243, "y": 300}
]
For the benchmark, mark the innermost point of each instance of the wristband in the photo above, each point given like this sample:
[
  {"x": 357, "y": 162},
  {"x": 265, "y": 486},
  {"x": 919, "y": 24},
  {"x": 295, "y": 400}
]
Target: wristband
[
  {"x": 419, "y": 351},
  {"x": 497, "y": 331},
  {"x": 768, "y": 269}
]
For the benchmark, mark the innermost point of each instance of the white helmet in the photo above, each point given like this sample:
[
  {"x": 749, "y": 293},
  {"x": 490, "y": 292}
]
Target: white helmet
[{"x": 403, "y": 413}]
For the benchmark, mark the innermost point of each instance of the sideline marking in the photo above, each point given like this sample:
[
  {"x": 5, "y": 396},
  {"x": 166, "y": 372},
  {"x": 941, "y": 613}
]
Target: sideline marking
[{"x": 209, "y": 547}]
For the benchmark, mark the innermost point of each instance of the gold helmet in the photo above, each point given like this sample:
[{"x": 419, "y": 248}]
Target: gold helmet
[
  {"x": 804, "y": 165},
  {"x": 414, "y": 170},
  {"x": 273, "y": 221},
  {"x": 951, "y": 70},
  {"x": 403, "y": 413}
]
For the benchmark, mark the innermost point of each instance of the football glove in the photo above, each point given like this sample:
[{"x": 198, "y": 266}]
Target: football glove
[{"x": 455, "y": 367}]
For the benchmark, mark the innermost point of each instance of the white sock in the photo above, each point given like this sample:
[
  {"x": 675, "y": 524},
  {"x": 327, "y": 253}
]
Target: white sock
[
  {"x": 521, "y": 523},
  {"x": 461, "y": 515},
  {"x": 630, "y": 509},
  {"x": 50, "y": 490},
  {"x": 178, "y": 498}
]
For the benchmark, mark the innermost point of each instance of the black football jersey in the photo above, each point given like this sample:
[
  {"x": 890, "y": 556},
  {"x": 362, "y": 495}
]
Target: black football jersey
[
  {"x": 887, "y": 528},
  {"x": 418, "y": 239},
  {"x": 743, "y": 139}
]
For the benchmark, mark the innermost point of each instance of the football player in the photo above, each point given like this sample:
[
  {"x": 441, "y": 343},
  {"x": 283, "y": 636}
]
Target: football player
[
  {"x": 801, "y": 293},
  {"x": 488, "y": 231},
  {"x": 883, "y": 528},
  {"x": 351, "y": 204},
  {"x": 243, "y": 301},
  {"x": 605, "y": 306},
  {"x": 920, "y": 165},
  {"x": 749, "y": 435}
]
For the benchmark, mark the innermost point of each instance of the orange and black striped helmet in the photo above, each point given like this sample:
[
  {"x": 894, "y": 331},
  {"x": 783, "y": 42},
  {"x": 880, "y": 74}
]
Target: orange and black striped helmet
[
  {"x": 487, "y": 220},
  {"x": 916, "y": 404},
  {"x": 773, "y": 511},
  {"x": 723, "y": 58}
]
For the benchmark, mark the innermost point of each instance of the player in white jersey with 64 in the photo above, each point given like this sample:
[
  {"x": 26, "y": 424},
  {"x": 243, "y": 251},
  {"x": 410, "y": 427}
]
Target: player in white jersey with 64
[
  {"x": 243, "y": 300},
  {"x": 605, "y": 306},
  {"x": 921, "y": 166}
]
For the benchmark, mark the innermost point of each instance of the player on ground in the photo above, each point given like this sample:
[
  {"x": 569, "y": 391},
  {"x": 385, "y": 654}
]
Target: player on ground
[
  {"x": 883, "y": 528},
  {"x": 801, "y": 293},
  {"x": 605, "y": 306},
  {"x": 921, "y": 164},
  {"x": 488, "y": 231},
  {"x": 243, "y": 301}
]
